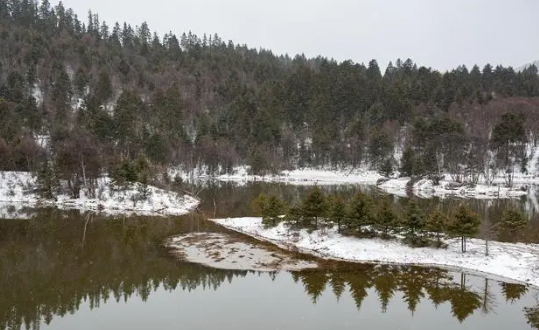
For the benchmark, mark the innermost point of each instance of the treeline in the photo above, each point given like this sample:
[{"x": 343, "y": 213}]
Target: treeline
[
  {"x": 367, "y": 217},
  {"x": 83, "y": 97}
]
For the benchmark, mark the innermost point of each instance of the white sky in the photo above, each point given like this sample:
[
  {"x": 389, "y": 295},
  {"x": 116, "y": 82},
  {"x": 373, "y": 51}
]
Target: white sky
[{"x": 437, "y": 33}]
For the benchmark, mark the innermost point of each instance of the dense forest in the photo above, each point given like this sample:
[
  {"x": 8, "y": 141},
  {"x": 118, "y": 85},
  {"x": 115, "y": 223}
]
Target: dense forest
[{"x": 79, "y": 98}]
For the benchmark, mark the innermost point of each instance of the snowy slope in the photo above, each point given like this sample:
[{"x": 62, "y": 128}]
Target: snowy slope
[{"x": 519, "y": 262}]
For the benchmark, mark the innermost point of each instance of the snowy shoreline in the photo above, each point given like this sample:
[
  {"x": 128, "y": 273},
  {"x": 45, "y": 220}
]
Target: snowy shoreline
[
  {"x": 518, "y": 262},
  {"x": 17, "y": 191},
  {"x": 423, "y": 188}
]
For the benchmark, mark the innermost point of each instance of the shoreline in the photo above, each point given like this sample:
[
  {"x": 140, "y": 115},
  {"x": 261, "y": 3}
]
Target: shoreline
[
  {"x": 470, "y": 261},
  {"x": 423, "y": 188},
  {"x": 17, "y": 191}
]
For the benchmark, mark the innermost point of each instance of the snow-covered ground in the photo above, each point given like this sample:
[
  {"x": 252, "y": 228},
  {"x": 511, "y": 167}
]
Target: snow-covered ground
[
  {"x": 308, "y": 176},
  {"x": 424, "y": 188},
  {"x": 223, "y": 251},
  {"x": 17, "y": 191},
  {"x": 523, "y": 183},
  {"x": 519, "y": 262},
  {"x": 305, "y": 176}
]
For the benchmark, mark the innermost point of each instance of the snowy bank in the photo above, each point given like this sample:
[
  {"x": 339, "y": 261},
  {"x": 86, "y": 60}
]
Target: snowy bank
[
  {"x": 426, "y": 188},
  {"x": 395, "y": 185},
  {"x": 18, "y": 188},
  {"x": 304, "y": 176},
  {"x": 519, "y": 262}
]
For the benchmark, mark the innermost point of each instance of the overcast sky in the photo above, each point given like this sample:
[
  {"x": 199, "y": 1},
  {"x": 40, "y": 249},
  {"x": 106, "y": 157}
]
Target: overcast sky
[{"x": 437, "y": 33}]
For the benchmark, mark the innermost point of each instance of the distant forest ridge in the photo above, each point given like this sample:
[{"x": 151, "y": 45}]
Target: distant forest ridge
[{"x": 81, "y": 98}]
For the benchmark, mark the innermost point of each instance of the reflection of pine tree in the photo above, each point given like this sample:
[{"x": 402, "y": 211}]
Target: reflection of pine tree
[
  {"x": 337, "y": 284},
  {"x": 512, "y": 291},
  {"x": 411, "y": 287},
  {"x": 315, "y": 283},
  {"x": 463, "y": 301},
  {"x": 359, "y": 283},
  {"x": 437, "y": 286},
  {"x": 295, "y": 277},
  {"x": 532, "y": 315},
  {"x": 385, "y": 283}
]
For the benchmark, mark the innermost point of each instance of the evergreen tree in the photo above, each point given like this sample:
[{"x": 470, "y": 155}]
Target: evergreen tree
[
  {"x": 271, "y": 208},
  {"x": 509, "y": 138},
  {"x": 47, "y": 180},
  {"x": 294, "y": 216},
  {"x": 274, "y": 208},
  {"x": 512, "y": 222},
  {"x": 386, "y": 167},
  {"x": 387, "y": 218},
  {"x": 465, "y": 224},
  {"x": 407, "y": 162},
  {"x": 314, "y": 206},
  {"x": 414, "y": 223},
  {"x": 337, "y": 213},
  {"x": 437, "y": 223},
  {"x": 360, "y": 212}
]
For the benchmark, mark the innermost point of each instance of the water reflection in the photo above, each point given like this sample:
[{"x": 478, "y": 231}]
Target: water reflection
[{"x": 58, "y": 261}]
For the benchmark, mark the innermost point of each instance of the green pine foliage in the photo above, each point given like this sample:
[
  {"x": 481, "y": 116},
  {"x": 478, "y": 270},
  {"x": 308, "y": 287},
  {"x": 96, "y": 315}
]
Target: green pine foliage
[
  {"x": 437, "y": 224},
  {"x": 407, "y": 162},
  {"x": 360, "y": 213},
  {"x": 465, "y": 224},
  {"x": 47, "y": 182},
  {"x": 337, "y": 211},
  {"x": 513, "y": 221},
  {"x": 314, "y": 206},
  {"x": 386, "y": 219},
  {"x": 271, "y": 208},
  {"x": 415, "y": 223}
]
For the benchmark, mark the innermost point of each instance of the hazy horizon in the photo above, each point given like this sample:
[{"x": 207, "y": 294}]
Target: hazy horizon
[{"x": 442, "y": 35}]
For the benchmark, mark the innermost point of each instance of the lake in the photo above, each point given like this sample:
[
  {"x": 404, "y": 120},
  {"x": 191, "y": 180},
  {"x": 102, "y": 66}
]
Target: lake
[{"x": 67, "y": 270}]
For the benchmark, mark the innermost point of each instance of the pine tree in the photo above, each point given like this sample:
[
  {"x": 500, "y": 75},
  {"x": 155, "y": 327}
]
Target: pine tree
[
  {"x": 47, "y": 180},
  {"x": 465, "y": 224},
  {"x": 337, "y": 212},
  {"x": 274, "y": 208},
  {"x": 294, "y": 216},
  {"x": 407, "y": 162},
  {"x": 386, "y": 167},
  {"x": 360, "y": 212},
  {"x": 269, "y": 207},
  {"x": 512, "y": 222},
  {"x": 259, "y": 203},
  {"x": 414, "y": 222},
  {"x": 314, "y": 206},
  {"x": 437, "y": 223},
  {"x": 387, "y": 218}
]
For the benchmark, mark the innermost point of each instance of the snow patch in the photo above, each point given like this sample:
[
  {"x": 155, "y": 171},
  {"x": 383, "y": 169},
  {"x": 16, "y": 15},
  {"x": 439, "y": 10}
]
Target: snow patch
[
  {"x": 225, "y": 252},
  {"x": 18, "y": 189}
]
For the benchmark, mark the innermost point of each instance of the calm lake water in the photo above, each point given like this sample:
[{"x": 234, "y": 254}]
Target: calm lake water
[{"x": 67, "y": 270}]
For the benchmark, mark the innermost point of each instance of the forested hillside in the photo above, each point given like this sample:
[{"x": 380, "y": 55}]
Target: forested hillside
[{"x": 80, "y": 97}]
